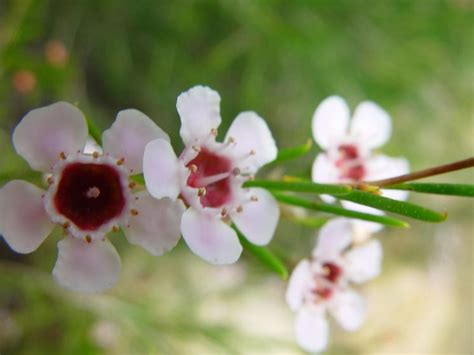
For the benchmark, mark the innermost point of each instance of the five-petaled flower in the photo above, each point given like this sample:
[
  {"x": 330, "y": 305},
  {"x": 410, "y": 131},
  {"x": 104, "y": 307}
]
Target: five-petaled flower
[
  {"x": 348, "y": 145},
  {"x": 322, "y": 284},
  {"x": 208, "y": 177},
  {"x": 89, "y": 194}
]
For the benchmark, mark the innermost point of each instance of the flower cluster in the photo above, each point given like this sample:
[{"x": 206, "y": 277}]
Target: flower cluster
[{"x": 91, "y": 190}]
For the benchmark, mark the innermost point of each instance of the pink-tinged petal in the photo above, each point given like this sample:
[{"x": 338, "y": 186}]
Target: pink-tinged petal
[
  {"x": 325, "y": 172},
  {"x": 44, "y": 133},
  {"x": 91, "y": 147},
  {"x": 210, "y": 238},
  {"x": 371, "y": 126},
  {"x": 364, "y": 226},
  {"x": 349, "y": 309},
  {"x": 312, "y": 330},
  {"x": 253, "y": 138},
  {"x": 364, "y": 262},
  {"x": 128, "y": 136},
  {"x": 297, "y": 285},
  {"x": 258, "y": 219},
  {"x": 199, "y": 110},
  {"x": 334, "y": 237},
  {"x": 24, "y": 222},
  {"x": 156, "y": 228},
  {"x": 161, "y": 169},
  {"x": 86, "y": 267},
  {"x": 330, "y": 122}
]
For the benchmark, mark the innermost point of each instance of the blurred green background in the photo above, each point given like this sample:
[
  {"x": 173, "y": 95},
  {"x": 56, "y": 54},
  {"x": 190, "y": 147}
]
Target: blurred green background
[{"x": 279, "y": 58}]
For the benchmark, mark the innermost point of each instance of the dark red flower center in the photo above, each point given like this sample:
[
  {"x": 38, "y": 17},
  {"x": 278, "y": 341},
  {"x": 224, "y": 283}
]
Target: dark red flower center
[
  {"x": 211, "y": 173},
  {"x": 331, "y": 272},
  {"x": 89, "y": 195},
  {"x": 349, "y": 163},
  {"x": 326, "y": 280}
]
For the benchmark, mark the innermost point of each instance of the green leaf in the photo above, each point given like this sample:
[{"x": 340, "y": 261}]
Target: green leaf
[
  {"x": 94, "y": 131},
  {"x": 400, "y": 207},
  {"x": 293, "y": 152},
  {"x": 316, "y": 206},
  {"x": 264, "y": 255},
  {"x": 310, "y": 222},
  {"x": 434, "y": 188},
  {"x": 300, "y": 186}
]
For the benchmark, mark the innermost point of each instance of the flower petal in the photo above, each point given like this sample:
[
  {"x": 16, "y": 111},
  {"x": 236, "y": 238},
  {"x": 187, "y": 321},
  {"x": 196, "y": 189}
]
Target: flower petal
[
  {"x": 360, "y": 225},
  {"x": 86, "y": 267},
  {"x": 157, "y": 225},
  {"x": 330, "y": 122},
  {"x": 258, "y": 219},
  {"x": 349, "y": 309},
  {"x": 128, "y": 136},
  {"x": 325, "y": 172},
  {"x": 24, "y": 222},
  {"x": 253, "y": 138},
  {"x": 297, "y": 284},
  {"x": 312, "y": 331},
  {"x": 334, "y": 237},
  {"x": 199, "y": 110},
  {"x": 47, "y": 131},
  {"x": 371, "y": 126},
  {"x": 364, "y": 262},
  {"x": 160, "y": 169},
  {"x": 383, "y": 167},
  {"x": 210, "y": 238}
]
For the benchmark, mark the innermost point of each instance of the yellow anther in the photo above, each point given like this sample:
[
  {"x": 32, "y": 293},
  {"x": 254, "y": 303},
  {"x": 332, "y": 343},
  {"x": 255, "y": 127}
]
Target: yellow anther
[
  {"x": 88, "y": 239},
  {"x": 62, "y": 156},
  {"x": 134, "y": 212}
]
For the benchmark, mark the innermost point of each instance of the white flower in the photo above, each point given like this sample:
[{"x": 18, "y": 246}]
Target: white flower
[
  {"x": 322, "y": 284},
  {"x": 208, "y": 177},
  {"x": 89, "y": 194},
  {"x": 348, "y": 145}
]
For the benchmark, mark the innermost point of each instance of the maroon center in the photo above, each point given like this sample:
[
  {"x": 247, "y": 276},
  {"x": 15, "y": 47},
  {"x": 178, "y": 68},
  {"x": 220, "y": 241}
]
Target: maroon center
[
  {"x": 348, "y": 162},
  {"x": 209, "y": 164},
  {"x": 332, "y": 272},
  {"x": 89, "y": 195}
]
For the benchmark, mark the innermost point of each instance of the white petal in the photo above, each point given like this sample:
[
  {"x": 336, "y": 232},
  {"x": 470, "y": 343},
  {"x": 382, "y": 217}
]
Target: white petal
[
  {"x": 128, "y": 136},
  {"x": 364, "y": 262},
  {"x": 210, "y": 238},
  {"x": 47, "y": 131},
  {"x": 349, "y": 309},
  {"x": 86, "y": 267},
  {"x": 371, "y": 126},
  {"x": 334, "y": 237},
  {"x": 383, "y": 167},
  {"x": 325, "y": 172},
  {"x": 312, "y": 331},
  {"x": 157, "y": 225},
  {"x": 251, "y": 134},
  {"x": 330, "y": 122},
  {"x": 160, "y": 169},
  {"x": 199, "y": 110},
  {"x": 23, "y": 219},
  {"x": 91, "y": 146},
  {"x": 297, "y": 284},
  {"x": 364, "y": 226},
  {"x": 258, "y": 219}
]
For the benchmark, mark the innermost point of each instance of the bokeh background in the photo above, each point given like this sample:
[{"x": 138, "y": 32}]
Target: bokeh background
[{"x": 279, "y": 58}]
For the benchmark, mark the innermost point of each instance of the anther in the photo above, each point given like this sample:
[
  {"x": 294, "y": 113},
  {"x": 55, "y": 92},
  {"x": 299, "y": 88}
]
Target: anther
[
  {"x": 62, "y": 156},
  {"x": 88, "y": 239},
  {"x": 120, "y": 161},
  {"x": 132, "y": 184},
  {"x": 201, "y": 191},
  {"x": 115, "y": 229},
  {"x": 50, "y": 180},
  {"x": 193, "y": 168},
  {"x": 196, "y": 148},
  {"x": 253, "y": 198},
  {"x": 214, "y": 131},
  {"x": 95, "y": 155},
  {"x": 224, "y": 212},
  {"x": 66, "y": 225},
  {"x": 134, "y": 212},
  {"x": 230, "y": 140},
  {"x": 239, "y": 209}
]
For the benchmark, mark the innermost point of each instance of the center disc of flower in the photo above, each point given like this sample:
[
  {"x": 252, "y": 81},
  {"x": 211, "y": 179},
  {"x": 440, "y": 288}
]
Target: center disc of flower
[
  {"x": 326, "y": 280},
  {"x": 349, "y": 163},
  {"x": 89, "y": 194},
  {"x": 211, "y": 174}
]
